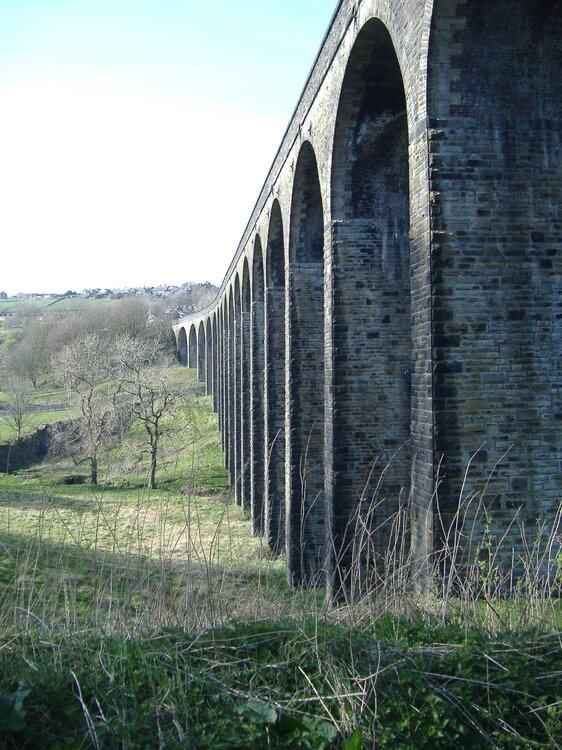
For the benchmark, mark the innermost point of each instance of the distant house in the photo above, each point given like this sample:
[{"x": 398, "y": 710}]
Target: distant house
[
  {"x": 3, "y": 295},
  {"x": 180, "y": 311}
]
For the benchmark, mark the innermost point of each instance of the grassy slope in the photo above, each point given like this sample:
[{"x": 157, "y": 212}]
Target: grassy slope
[
  {"x": 144, "y": 619},
  {"x": 67, "y": 304}
]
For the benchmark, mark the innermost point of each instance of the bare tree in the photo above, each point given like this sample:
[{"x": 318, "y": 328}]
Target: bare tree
[
  {"x": 75, "y": 325},
  {"x": 29, "y": 356},
  {"x": 146, "y": 384},
  {"x": 24, "y": 313},
  {"x": 17, "y": 404},
  {"x": 87, "y": 369},
  {"x": 129, "y": 317}
]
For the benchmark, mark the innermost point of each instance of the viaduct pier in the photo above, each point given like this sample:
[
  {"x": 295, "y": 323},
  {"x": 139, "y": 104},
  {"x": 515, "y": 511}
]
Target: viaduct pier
[{"x": 387, "y": 340}]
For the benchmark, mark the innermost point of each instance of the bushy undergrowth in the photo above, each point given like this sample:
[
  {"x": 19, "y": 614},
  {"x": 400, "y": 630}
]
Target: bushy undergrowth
[{"x": 284, "y": 683}]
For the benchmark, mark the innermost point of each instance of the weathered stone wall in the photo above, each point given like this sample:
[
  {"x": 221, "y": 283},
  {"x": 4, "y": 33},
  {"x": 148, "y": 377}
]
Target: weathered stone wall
[
  {"x": 399, "y": 344},
  {"x": 496, "y": 185}
]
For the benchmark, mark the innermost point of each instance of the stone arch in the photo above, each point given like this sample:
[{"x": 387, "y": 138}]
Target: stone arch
[
  {"x": 201, "y": 353},
  {"x": 233, "y": 462},
  {"x": 304, "y": 491},
  {"x": 245, "y": 289},
  {"x": 306, "y": 242},
  {"x": 275, "y": 250},
  {"x": 369, "y": 336},
  {"x": 235, "y": 377},
  {"x": 237, "y": 386},
  {"x": 245, "y": 387},
  {"x": 192, "y": 347},
  {"x": 216, "y": 362},
  {"x": 182, "y": 347},
  {"x": 224, "y": 382},
  {"x": 257, "y": 391},
  {"x": 209, "y": 359},
  {"x": 369, "y": 171},
  {"x": 274, "y": 512},
  {"x": 497, "y": 253}
]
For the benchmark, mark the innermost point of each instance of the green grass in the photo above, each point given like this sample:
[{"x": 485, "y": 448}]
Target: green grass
[
  {"x": 8, "y": 306},
  {"x": 84, "y": 543},
  {"x": 67, "y": 304},
  {"x": 46, "y": 393},
  {"x": 283, "y": 684}
]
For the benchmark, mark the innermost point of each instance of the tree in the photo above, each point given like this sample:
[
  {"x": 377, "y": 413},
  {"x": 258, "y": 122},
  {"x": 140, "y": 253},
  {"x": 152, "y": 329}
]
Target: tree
[
  {"x": 87, "y": 369},
  {"x": 145, "y": 383},
  {"x": 129, "y": 317},
  {"x": 29, "y": 356},
  {"x": 17, "y": 404}
]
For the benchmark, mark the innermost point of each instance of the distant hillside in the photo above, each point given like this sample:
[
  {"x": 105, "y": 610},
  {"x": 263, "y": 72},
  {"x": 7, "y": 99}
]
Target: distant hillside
[{"x": 169, "y": 300}]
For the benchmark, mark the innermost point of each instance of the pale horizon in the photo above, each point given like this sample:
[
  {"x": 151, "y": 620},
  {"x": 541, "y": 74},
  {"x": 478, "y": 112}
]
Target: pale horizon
[{"x": 135, "y": 137}]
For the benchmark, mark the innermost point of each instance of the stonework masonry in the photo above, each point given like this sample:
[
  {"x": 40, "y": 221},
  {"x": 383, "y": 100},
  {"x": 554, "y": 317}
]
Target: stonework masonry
[{"x": 387, "y": 340}]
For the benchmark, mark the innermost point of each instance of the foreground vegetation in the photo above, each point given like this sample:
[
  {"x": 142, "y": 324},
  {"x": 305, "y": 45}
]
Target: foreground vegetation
[
  {"x": 299, "y": 683},
  {"x": 150, "y": 618}
]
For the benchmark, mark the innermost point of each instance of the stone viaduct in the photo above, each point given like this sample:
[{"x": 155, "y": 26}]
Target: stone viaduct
[{"x": 388, "y": 334}]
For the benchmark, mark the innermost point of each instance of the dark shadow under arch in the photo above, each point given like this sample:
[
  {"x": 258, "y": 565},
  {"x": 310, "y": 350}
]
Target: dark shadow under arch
[
  {"x": 257, "y": 393},
  {"x": 370, "y": 346},
  {"x": 305, "y": 512},
  {"x": 182, "y": 347},
  {"x": 192, "y": 348},
  {"x": 274, "y": 355},
  {"x": 202, "y": 352}
]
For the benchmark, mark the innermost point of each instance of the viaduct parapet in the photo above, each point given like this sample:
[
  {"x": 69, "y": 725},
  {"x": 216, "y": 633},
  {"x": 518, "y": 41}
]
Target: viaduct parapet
[{"x": 388, "y": 334}]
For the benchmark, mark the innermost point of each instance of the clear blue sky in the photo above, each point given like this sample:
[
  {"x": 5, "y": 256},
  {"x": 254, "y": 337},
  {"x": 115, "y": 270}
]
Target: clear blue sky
[{"x": 135, "y": 134}]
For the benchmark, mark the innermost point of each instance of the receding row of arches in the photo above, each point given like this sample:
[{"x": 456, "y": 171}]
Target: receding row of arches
[
  {"x": 307, "y": 352},
  {"x": 394, "y": 304}
]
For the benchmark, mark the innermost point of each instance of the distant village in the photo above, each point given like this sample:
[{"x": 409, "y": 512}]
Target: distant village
[{"x": 181, "y": 304}]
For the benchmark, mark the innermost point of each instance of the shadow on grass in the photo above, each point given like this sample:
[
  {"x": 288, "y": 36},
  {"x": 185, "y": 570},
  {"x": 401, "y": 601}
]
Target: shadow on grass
[
  {"x": 43, "y": 581},
  {"x": 61, "y": 496}
]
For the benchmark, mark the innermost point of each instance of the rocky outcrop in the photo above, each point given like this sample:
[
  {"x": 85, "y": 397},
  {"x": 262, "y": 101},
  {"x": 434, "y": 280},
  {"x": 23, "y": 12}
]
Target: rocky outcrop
[{"x": 33, "y": 448}]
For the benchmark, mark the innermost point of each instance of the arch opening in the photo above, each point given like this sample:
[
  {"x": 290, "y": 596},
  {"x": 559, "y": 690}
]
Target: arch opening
[
  {"x": 209, "y": 358},
  {"x": 304, "y": 492},
  {"x": 202, "y": 353},
  {"x": 216, "y": 364},
  {"x": 192, "y": 348},
  {"x": 369, "y": 338},
  {"x": 257, "y": 392},
  {"x": 244, "y": 387},
  {"x": 182, "y": 347},
  {"x": 274, "y": 396}
]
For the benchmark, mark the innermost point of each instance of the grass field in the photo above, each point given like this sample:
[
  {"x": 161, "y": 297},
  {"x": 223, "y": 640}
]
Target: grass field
[
  {"x": 145, "y": 619},
  {"x": 46, "y": 393},
  {"x": 72, "y": 535},
  {"x": 67, "y": 304}
]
